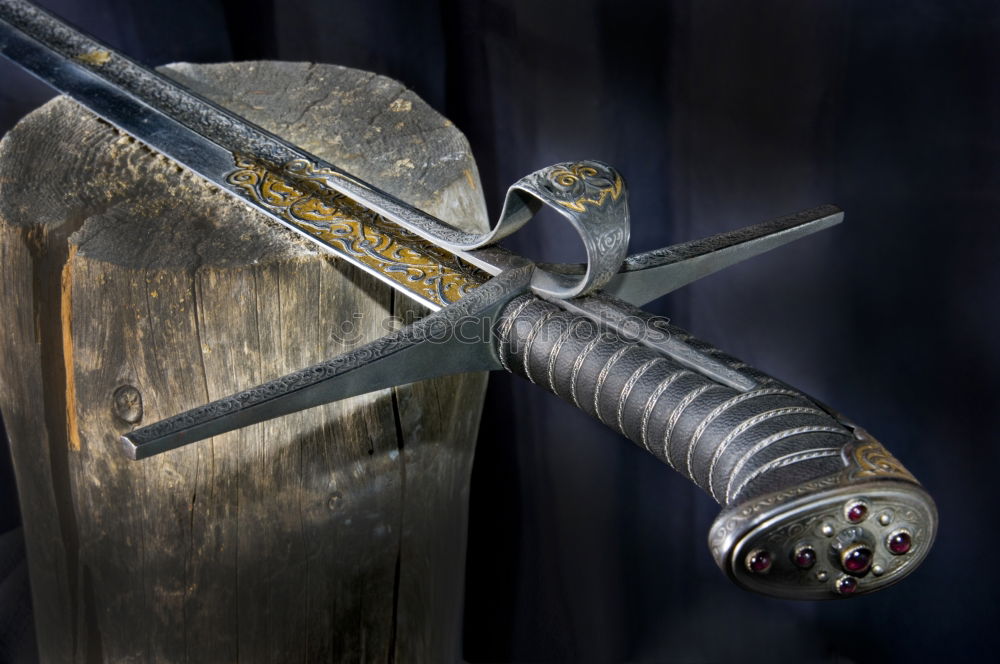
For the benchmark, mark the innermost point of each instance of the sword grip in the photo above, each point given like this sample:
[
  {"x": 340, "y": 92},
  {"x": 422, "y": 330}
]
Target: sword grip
[
  {"x": 723, "y": 439},
  {"x": 765, "y": 452}
]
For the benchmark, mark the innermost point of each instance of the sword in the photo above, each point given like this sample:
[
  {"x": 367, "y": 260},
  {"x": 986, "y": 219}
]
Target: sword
[{"x": 813, "y": 506}]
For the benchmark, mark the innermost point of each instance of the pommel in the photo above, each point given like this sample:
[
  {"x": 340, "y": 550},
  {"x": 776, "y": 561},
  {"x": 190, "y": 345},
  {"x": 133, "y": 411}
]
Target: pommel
[{"x": 845, "y": 534}]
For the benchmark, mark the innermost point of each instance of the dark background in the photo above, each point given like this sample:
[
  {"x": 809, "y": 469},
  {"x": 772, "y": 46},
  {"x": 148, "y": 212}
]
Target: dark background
[{"x": 719, "y": 113}]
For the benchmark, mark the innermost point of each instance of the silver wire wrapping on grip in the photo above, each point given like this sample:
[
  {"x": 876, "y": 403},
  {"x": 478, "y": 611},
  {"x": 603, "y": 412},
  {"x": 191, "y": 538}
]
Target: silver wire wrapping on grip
[{"x": 733, "y": 444}]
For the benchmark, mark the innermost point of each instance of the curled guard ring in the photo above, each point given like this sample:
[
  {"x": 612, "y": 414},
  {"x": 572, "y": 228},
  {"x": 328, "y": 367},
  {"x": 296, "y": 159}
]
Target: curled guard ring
[{"x": 591, "y": 195}]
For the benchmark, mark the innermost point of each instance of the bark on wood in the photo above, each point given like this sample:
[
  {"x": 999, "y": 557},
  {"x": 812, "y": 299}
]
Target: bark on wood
[{"x": 130, "y": 287}]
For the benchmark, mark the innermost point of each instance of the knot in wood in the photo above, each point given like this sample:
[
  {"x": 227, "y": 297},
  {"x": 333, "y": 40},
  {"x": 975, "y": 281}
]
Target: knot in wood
[{"x": 127, "y": 404}]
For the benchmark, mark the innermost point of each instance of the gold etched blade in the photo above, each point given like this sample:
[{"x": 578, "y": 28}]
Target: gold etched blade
[{"x": 335, "y": 221}]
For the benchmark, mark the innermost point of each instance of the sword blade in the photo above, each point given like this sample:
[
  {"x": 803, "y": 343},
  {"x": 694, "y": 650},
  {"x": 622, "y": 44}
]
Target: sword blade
[{"x": 342, "y": 214}]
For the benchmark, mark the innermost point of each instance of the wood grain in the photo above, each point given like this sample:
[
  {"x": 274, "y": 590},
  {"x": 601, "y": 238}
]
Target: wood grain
[{"x": 333, "y": 534}]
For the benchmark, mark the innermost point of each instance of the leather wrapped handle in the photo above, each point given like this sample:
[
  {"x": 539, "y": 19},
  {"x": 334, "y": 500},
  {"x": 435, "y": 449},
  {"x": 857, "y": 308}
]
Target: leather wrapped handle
[
  {"x": 733, "y": 444},
  {"x": 814, "y": 508}
]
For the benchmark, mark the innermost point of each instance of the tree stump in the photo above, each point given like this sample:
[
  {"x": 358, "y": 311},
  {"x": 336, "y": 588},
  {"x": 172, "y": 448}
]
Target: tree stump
[{"x": 131, "y": 291}]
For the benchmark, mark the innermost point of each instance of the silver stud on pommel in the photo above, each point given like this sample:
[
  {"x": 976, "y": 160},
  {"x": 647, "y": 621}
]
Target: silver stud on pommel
[{"x": 842, "y": 535}]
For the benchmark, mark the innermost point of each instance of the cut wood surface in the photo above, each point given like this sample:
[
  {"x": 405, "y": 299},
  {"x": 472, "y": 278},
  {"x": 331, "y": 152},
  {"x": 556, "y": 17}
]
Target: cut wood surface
[{"x": 131, "y": 291}]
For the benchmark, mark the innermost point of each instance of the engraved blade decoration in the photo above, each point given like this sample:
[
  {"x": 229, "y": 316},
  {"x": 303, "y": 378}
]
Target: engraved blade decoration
[
  {"x": 426, "y": 259},
  {"x": 813, "y": 507}
]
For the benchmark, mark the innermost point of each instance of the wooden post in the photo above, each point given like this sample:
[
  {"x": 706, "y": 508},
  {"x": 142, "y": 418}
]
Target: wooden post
[{"x": 131, "y": 291}]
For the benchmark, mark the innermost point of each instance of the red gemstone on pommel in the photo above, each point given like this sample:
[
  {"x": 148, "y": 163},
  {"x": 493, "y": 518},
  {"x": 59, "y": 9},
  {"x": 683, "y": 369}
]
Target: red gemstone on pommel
[
  {"x": 900, "y": 543},
  {"x": 857, "y": 512},
  {"x": 759, "y": 561},
  {"x": 804, "y": 558},
  {"x": 847, "y": 585},
  {"x": 857, "y": 560}
]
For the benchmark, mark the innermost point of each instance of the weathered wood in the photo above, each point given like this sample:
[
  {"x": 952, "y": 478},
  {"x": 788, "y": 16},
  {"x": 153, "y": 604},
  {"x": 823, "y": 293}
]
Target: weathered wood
[{"x": 128, "y": 287}]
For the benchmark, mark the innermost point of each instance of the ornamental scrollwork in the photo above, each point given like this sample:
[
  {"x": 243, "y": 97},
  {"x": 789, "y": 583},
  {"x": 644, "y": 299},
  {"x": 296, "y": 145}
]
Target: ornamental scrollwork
[
  {"x": 871, "y": 460},
  {"x": 348, "y": 227},
  {"x": 575, "y": 186}
]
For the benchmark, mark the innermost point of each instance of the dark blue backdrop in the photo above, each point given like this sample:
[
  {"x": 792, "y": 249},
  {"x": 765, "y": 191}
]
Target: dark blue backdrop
[{"x": 719, "y": 113}]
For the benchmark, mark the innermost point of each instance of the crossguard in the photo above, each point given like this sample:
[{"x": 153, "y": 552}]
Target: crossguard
[{"x": 592, "y": 196}]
